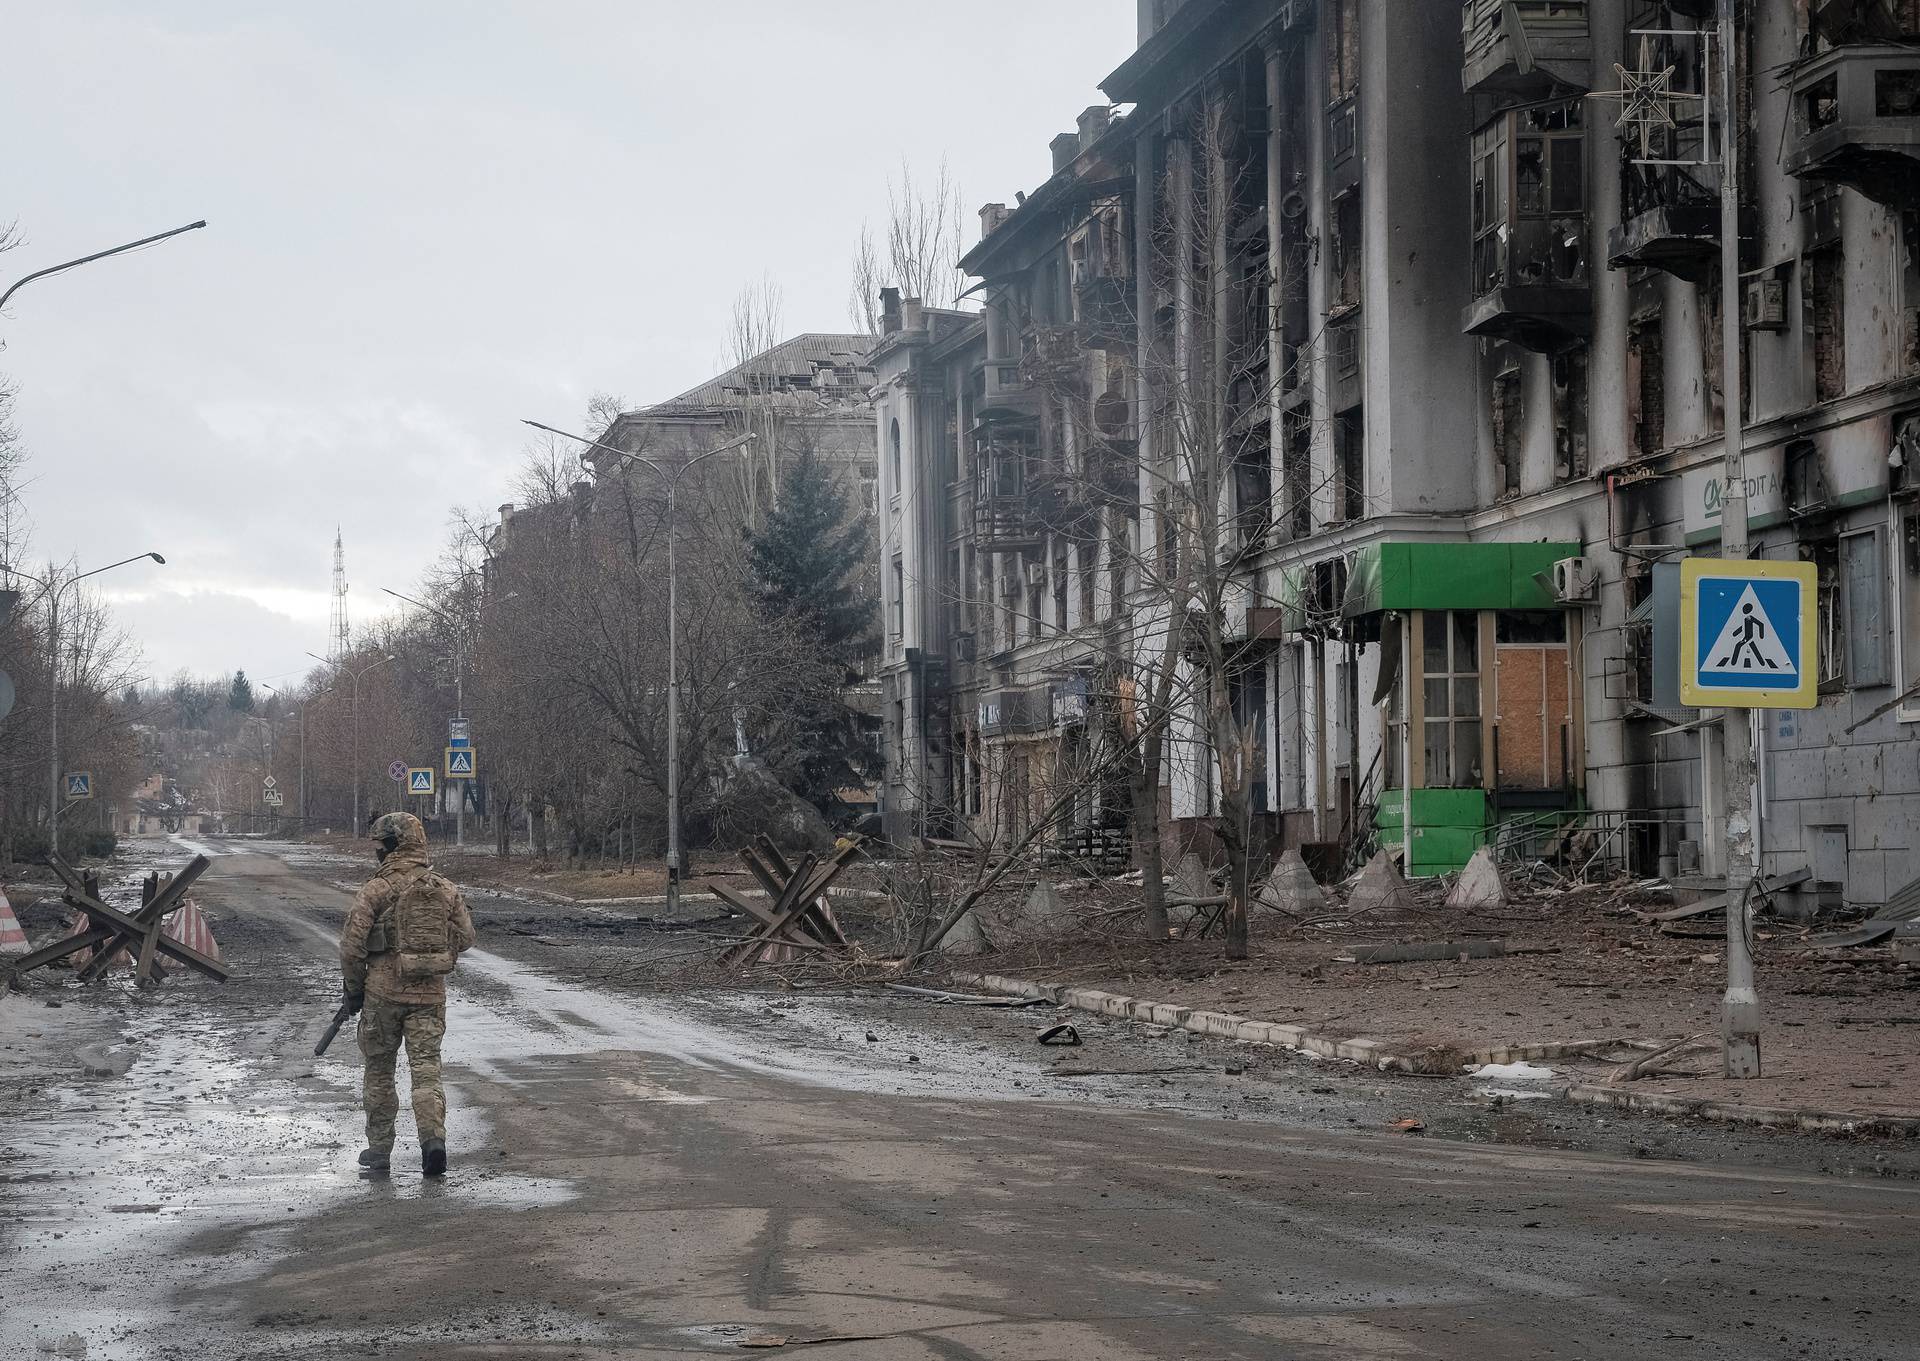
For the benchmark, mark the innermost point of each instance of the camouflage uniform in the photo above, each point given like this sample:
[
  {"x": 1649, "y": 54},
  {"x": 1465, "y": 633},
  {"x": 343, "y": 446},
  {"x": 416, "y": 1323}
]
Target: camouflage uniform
[{"x": 399, "y": 1010}]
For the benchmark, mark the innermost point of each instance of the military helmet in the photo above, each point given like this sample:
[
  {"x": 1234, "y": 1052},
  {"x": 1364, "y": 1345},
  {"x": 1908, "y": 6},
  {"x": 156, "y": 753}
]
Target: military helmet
[{"x": 397, "y": 830}]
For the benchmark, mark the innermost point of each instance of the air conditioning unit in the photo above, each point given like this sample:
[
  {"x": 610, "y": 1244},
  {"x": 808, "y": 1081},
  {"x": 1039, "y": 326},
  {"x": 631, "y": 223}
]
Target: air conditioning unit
[
  {"x": 1766, "y": 304},
  {"x": 1575, "y": 582},
  {"x": 1036, "y": 574}
]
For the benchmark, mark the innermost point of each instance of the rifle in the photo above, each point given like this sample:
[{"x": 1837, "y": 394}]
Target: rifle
[{"x": 348, "y": 1006}]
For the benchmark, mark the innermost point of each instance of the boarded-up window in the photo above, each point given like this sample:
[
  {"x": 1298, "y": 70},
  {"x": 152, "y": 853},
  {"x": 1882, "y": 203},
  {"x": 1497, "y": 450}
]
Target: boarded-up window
[
  {"x": 1533, "y": 697},
  {"x": 1341, "y": 24},
  {"x": 1350, "y": 455},
  {"x": 1863, "y": 595}
]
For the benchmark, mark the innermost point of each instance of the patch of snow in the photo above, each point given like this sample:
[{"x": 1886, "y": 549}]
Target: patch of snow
[{"x": 1521, "y": 1071}]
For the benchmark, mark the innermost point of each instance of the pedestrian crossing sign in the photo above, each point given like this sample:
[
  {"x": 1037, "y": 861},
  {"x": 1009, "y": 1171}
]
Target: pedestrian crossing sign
[
  {"x": 79, "y": 784},
  {"x": 1748, "y": 634},
  {"x": 420, "y": 780},
  {"x": 459, "y": 763}
]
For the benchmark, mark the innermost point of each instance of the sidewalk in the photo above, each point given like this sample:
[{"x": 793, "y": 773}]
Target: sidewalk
[{"x": 1839, "y": 1032}]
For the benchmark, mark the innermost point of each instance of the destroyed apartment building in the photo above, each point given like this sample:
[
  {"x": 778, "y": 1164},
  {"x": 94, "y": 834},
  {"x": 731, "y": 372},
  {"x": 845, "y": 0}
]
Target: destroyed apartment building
[{"x": 1474, "y": 413}]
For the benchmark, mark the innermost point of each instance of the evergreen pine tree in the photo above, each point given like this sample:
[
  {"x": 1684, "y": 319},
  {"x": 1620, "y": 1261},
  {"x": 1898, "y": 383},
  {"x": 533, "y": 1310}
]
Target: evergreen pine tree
[
  {"x": 806, "y": 562},
  {"x": 240, "y": 694}
]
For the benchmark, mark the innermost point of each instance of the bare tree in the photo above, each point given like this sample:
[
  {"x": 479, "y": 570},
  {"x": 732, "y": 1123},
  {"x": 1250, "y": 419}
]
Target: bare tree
[{"x": 919, "y": 253}]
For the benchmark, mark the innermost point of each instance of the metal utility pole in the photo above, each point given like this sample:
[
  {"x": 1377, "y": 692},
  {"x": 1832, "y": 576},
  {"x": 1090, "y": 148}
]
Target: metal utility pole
[
  {"x": 300, "y": 709},
  {"x": 17, "y": 284},
  {"x": 459, "y": 704},
  {"x": 53, "y": 586},
  {"x": 374, "y": 666},
  {"x": 672, "y": 475},
  {"x": 1740, "y": 1008}
]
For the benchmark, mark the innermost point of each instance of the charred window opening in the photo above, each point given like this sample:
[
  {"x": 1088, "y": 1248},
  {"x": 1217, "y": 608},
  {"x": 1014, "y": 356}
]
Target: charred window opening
[
  {"x": 1646, "y": 391},
  {"x": 1085, "y": 563},
  {"x": 1826, "y": 321},
  {"x": 1570, "y": 414},
  {"x": 1060, "y": 588},
  {"x": 1340, "y": 22},
  {"x": 1296, "y": 472},
  {"x": 1806, "y": 480},
  {"x": 1509, "y": 429},
  {"x": 1350, "y": 458},
  {"x": 1824, "y": 554},
  {"x": 1344, "y": 252}
]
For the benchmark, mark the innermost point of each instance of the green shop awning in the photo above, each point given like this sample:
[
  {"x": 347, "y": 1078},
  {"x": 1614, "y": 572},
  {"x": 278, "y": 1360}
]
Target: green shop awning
[{"x": 1452, "y": 576}]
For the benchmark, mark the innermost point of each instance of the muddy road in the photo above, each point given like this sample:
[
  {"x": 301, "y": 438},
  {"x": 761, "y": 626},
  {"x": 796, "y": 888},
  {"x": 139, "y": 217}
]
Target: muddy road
[{"x": 641, "y": 1173}]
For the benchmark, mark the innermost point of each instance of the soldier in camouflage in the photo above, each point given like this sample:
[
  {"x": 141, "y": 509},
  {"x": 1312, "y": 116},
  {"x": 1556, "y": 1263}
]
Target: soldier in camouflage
[{"x": 395, "y": 1009}]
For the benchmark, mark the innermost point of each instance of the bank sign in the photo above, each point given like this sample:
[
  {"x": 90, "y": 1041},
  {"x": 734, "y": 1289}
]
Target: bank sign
[{"x": 1748, "y": 635}]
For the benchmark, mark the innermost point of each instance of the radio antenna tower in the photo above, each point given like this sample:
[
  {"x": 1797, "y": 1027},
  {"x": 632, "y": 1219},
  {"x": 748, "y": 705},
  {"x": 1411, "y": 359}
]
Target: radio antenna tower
[{"x": 338, "y": 645}]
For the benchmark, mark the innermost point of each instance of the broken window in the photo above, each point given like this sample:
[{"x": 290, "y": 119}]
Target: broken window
[
  {"x": 1085, "y": 554},
  {"x": 1509, "y": 429},
  {"x": 898, "y": 621},
  {"x": 1646, "y": 390},
  {"x": 1247, "y": 691},
  {"x": 1060, "y": 589},
  {"x": 1570, "y": 413},
  {"x": 1296, "y": 475},
  {"x": 1450, "y": 681},
  {"x": 1824, "y": 554},
  {"x": 1341, "y": 24},
  {"x": 893, "y": 458},
  {"x": 1350, "y": 458},
  {"x": 1826, "y": 308},
  {"x": 1345, "y": 252}
]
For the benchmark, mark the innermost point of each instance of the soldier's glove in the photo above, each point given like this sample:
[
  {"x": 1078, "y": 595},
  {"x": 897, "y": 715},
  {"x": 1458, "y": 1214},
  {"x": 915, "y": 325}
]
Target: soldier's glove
[{"x": 354, "y": 1001}]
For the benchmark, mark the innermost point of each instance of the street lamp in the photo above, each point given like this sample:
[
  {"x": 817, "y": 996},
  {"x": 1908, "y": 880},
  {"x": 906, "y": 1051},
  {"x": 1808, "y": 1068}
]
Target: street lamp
[
  {"x": 53, "y": 588},
  {"x": 372, "y": 666},
  {"x": 17, "y": 284},
  {"x": 300, "y": 708},
  {"x": 459, "y": 704},
  {"x": 672, "y": 474}
]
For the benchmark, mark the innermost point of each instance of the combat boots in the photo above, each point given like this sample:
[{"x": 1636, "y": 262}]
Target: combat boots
[
  {"x": 433, "y": 1157},
  {"x": 376, "y": 1158}
]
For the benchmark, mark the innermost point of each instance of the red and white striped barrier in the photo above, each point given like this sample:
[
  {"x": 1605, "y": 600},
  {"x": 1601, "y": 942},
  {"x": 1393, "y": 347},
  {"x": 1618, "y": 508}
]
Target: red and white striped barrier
[
  {"x": 188, "y": 925},
  {"x": 80, "y": 959},
  {"x": 13, "y": 941}
]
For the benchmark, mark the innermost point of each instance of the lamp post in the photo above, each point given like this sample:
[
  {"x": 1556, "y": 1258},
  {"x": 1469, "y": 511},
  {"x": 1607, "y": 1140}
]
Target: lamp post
[
  {"x": 371, "y": 666},
  {"x": 300, "y": 710},
  {"x": 459, "y": 703},
  {"x": 53, "y": 586},
  {"x": 672, "y": 475},
  {"x": 17, "y": 284}
]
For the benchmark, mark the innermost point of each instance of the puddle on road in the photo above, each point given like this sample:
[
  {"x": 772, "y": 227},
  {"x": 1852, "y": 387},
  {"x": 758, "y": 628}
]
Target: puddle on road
[{"x": 210, "y": 1127}]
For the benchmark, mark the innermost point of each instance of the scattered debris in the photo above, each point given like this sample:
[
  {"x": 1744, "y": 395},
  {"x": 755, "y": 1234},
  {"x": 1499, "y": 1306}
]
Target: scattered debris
[
  {"x": 1426, "y": 951},
  {"x": 1409, "y": 1125},
  {"x": 1063, "y": 1033}
]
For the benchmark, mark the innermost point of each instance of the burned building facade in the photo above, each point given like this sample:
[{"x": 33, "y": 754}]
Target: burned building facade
[{"x": 1461, "y": 292}]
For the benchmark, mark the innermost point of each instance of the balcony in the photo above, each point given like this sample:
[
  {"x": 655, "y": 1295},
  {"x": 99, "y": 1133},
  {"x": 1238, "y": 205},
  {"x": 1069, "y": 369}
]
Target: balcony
[
  {"x": 1005, "y": 393},
  {"x": 1013, "y": 503},
  {"x": 1682, "y": 239},
  {"x": 1103, "y": 307},
  {"x": 1856, "y": 122},
  {"x": 1525, "y": 49},
  {"x": 1530, "y": 277}
]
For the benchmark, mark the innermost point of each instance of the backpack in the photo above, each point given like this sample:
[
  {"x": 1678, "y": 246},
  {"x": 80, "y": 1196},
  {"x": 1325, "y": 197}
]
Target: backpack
[{"x": 419, "y": 935}]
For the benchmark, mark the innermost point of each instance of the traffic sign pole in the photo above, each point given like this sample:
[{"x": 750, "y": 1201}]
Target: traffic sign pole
[{"x": 1740, "y": 1006}]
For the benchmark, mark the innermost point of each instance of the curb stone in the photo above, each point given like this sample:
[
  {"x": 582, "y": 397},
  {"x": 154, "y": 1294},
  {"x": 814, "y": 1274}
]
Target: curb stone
[
  {"x": 1374, "y": 1055},
  {"x": 1775, "y": 1117}
]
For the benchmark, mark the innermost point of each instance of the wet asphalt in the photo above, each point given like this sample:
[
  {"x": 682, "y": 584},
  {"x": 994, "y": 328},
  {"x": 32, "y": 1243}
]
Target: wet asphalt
[{"x": 644, "y": 1172}]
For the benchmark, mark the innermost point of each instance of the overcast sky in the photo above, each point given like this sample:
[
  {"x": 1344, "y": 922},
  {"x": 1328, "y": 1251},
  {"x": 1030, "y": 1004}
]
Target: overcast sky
[{"x": 428, "y": 220}]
